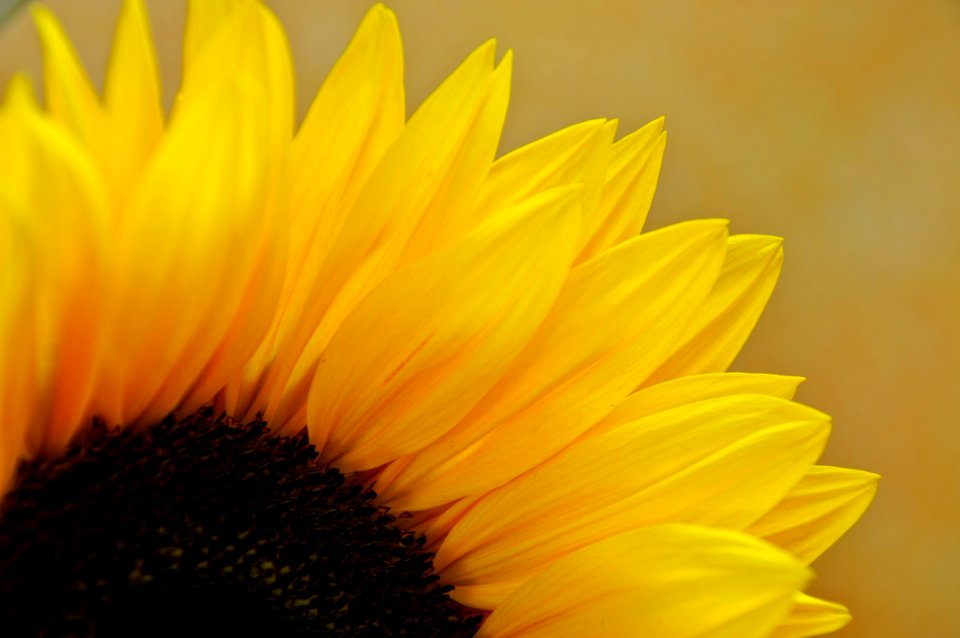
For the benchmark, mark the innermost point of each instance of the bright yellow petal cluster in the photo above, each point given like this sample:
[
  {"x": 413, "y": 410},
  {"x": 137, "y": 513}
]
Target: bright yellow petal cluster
[{"x": 491, "y": 340}]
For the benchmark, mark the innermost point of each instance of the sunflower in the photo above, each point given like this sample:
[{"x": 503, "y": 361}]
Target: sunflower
[{"x": 362, "y": 377}]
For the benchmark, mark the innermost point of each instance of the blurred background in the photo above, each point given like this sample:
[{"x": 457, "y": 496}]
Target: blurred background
[{"x": 833, "y": 124}]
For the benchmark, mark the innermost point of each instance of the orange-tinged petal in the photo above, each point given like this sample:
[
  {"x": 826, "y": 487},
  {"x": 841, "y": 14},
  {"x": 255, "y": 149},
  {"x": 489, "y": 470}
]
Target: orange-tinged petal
[
  {"x": 672, "y": 581},
  {"x": 812, "y": 617},
  {"x": 430, "y": 170},
  {"x": 18, "y": 342},
  {"x": 616, "y": 316},
  {"x": 628, "y": 189},
  {"x": 458, "y": 318},
  {"x": 818, "y": 510},
  {"x": 714, "y": 339},
  {"x": 132, "y": 100},
  {"x": 359, "y": 110},
  {"x": 53, "y": 194},
  {"x": 70, "y": 97},
  {"x": 721, "y": 462}
]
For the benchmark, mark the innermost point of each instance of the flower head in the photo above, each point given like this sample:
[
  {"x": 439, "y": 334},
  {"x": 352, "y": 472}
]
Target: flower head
[{"x": 491, "y": 344}]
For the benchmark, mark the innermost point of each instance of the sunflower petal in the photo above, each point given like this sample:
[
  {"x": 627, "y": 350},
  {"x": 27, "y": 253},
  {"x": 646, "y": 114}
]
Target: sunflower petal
[
  {"x": 557, "y": 159},
  {"x": 818, "y": 510},
  {"x": 576, "y": 154},
  {"x": 458, "y": 318},
  {"x": 812, "y": 617},
  {"x": 616, "y": 316},
  {"x": 671, "y": 581},
  {"x": 750, "y": 271},
  {"x": 628, "y": 190},
  {"x": 179, "y": 274},
  {"x": 70, "y": 96},
  {"x": 359, "y": 110},
  {"x": 698, "y": 387},
  {"x": 249, "y": 42},
  {"x": 251, "y": 39},
  {"x": 54, "y": 198},
  {"x": 204, "y": 17},
  {"x": 132, "y": 97},
  {"x": 432, "y": 169},
  {"x": 721, "y": 462},
  {"x": 18, "y": 339}
]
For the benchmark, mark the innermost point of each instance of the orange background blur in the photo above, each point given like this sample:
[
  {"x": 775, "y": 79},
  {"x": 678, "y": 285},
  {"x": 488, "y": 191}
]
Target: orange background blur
[{"x": 834, "y": 124}]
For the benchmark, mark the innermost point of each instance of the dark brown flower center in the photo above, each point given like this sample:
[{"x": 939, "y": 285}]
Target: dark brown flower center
[{"x": 205, "y": 527}]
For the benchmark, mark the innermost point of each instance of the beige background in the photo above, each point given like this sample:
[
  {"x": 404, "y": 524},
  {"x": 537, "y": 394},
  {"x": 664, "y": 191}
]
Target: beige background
[{"x": 833, "y": 123}]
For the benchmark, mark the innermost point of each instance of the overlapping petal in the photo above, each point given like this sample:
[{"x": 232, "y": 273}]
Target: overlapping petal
[
  {"x": 614, "y": 319},
  {"x": 459, "y": 317},
  {"x": 433, "y": 168},
  {"x": 818, "y": 510},
  {"x": 70, "y": 97},
  {"x": 721, "y": 462},
  {"x": 54, "y": 206},
  {"x": 720, "y": 329},
  {"x": 359, "y": 110},
  {"x": 628, "y": 189},
  {"x": 133, "y": 113},
  {"x": 812, "y": 617},
  {"x": 672, "y": 581}
]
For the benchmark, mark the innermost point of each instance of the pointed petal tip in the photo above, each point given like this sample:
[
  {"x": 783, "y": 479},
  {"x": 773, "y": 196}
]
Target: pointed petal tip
[
  {"x": 46, "y": 23},
  {"x": 655, "y": 125},
  {"x": 506, "y": 62},
  {"x": 40, "y": 12},
  {"x": 866, "y": 477},
  {"x": 20, "y": 92},
  {"x": 709, "y": 227},
  {"x": 768, "y": 248}
]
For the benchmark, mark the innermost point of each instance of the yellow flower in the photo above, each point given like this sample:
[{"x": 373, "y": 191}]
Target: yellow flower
[{"x": 491, "y": 343}]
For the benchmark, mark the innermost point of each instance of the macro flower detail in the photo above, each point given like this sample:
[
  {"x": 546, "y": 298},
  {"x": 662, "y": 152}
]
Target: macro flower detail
[{"x": 358, "y": 375}]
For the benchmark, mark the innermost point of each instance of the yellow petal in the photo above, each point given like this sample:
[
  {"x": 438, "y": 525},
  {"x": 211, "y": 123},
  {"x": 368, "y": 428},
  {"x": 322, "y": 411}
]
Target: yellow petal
[
  {"x": 20, "y": 93},
  {"x": 452, "y": 215},
  {"x": 419, "y": 173},
  {"x": 713, "y": 340},
  {"x": 359, "y": 111},
  {"x": 132, "y": 96},
  {"x": 54, "y": 198},
  {"x": 812, "y": 617},
  {"x": 250, "y": 42},
  {"x": 457, "y": 320},
  {"x": 204, "y": 17},
  {"x": 628, "y": 189},
  {"x": 722, "y": 462},
  {"x": 699, "y": 387},
  {"x": 576, "y": 154},
  {"x": 616, "y": 317},
  {"x": 671, "y": 581},
  {"x": 70, "y": 97},
  {"x": 188, "y": 251},
  {"x": 432, "y": 170},
  {"x": 818, "y": 510}
]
